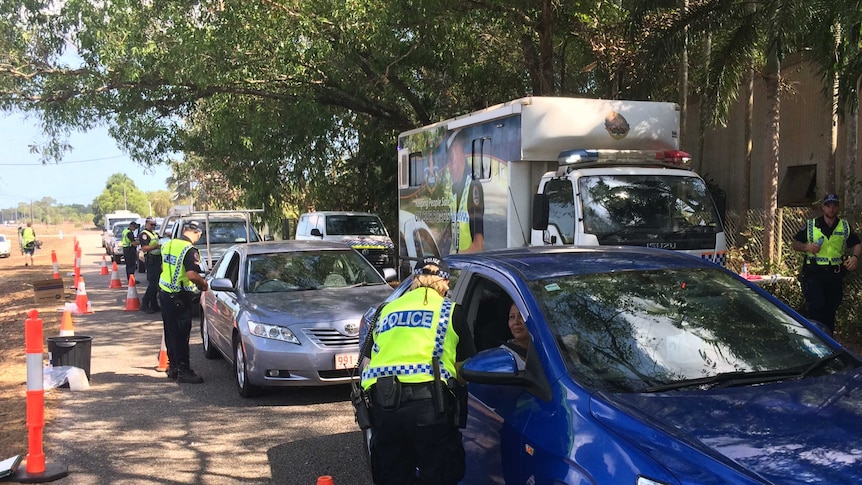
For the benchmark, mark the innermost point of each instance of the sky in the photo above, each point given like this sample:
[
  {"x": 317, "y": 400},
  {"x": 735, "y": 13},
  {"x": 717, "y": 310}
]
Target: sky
[{"x": 78, "y": 179}]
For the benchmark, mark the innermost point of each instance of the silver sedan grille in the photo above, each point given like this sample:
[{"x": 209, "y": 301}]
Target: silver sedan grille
[{"x": 330, "y": 337}]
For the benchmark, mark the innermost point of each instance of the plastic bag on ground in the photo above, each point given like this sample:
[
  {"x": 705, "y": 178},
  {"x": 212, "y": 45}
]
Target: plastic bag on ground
[{"x": 56, "y": 376}]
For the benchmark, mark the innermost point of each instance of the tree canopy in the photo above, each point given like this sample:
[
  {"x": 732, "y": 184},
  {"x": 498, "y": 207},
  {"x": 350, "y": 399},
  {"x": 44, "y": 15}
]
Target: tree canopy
[{"x": 284, "y": 103}]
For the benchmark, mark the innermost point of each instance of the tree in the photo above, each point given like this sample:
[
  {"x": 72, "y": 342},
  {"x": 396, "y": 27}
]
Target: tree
[{"x": 120, "y": 193}]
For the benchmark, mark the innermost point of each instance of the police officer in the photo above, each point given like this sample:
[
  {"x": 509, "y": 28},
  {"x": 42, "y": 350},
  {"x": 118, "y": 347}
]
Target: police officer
[
  {"x": 824, "y": 241},
  {"x": 149, "y": 243},
  {"x": 420, "y": 340},
  {"x": 178, "y": 284},
  {"x": 467, "y": 203},
  {"x": 130, "y": 248}
]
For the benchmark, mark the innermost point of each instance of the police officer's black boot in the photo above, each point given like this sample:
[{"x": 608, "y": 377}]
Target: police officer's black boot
[{"x": 188, "y": 376}]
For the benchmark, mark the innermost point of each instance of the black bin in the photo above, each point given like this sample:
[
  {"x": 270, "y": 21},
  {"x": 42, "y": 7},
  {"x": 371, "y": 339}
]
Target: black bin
[{"x": 71, "y": 351}]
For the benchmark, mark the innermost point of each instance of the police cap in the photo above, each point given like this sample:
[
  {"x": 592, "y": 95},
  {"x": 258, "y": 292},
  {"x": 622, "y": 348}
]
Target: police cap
[{"x": 425, "y": 266}]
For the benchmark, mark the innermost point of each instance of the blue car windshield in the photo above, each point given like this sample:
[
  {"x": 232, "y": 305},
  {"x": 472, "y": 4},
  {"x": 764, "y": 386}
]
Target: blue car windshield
[
  {"x": 632, "y": 331},
  {"x": 309, "y": 270}
]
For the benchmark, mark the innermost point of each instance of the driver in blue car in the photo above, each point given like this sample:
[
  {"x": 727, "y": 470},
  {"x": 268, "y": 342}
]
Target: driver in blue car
[{"x": 420, "y": 340}]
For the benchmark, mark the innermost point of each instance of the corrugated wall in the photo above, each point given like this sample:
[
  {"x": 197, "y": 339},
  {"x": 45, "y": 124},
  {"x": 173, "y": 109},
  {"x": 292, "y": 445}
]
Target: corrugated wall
[{"x": 805, "y": 130}]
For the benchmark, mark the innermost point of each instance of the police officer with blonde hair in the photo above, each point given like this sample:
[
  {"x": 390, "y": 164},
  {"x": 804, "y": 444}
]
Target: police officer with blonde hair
[
  {"x": 419, "y": 342},
  {"x": 179, "y": 283}
]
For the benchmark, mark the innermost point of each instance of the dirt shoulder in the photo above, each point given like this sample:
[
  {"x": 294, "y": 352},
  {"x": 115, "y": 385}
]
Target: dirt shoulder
[{"x": 16, "y": 301}]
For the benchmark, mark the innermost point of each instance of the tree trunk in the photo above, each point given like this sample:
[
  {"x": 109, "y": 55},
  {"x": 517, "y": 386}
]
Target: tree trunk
[
  {"x": 746, "y": 161},
  {"x": 851, "y": 201},
  {"x": 683, "y": 86},
  {"x": 772, "y": 75}
]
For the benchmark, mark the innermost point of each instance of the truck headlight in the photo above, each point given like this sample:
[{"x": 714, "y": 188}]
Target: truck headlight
[{"x": 274, "y": 332}]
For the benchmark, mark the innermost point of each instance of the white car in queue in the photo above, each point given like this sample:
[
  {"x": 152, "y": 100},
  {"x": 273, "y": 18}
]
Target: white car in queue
[{"x": 287, "y": 313}]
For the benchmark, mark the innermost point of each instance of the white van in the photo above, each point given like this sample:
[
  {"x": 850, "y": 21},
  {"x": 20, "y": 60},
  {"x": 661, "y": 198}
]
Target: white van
[{"x": 363, "y": 231}]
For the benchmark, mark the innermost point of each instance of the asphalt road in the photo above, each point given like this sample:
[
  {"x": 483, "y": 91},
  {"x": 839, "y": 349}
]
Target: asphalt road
[{"x": 133, "y": 425}]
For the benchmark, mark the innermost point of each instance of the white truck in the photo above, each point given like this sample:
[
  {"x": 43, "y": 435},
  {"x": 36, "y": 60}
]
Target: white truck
[
  {"x": 113, "y": 218},
  {"x": 554, "y": 171}
]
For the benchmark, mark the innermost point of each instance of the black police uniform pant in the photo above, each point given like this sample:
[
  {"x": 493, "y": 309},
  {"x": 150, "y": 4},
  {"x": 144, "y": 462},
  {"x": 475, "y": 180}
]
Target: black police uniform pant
[
  {"x": 823, "y": 290},
  {"x": 130, "y": 254},
  {"x": 151, "y": 296},
  {"x": 412, "y": 437},
  {"x": 177, "y": 321}
]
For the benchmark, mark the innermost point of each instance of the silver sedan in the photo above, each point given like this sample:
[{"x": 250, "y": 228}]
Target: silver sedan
[{"x": 286, "y": 313}]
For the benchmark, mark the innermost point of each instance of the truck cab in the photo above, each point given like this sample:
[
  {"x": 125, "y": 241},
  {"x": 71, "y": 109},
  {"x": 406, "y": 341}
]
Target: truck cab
[{"x": 631, "y": 198}]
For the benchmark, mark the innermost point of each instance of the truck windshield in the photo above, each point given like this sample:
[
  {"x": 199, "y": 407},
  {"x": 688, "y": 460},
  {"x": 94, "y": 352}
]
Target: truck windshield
[
  {"x": 647, "y": 209},
  {"x": 354, "y": 225}
]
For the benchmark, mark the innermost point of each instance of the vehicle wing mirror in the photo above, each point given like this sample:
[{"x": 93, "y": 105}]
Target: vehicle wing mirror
[
  {"x": 492, "y": 366},
  {"x": 268, "y": 237},
  {"x": 316, "y": 232},
  {"x": 541, "y": 208},
  {"x": 222, "y": 284},
  {"x": 390, "y": 275}
]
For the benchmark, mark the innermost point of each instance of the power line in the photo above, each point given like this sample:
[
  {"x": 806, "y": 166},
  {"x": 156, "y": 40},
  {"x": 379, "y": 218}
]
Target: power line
[{"x": 59, "y": 163}]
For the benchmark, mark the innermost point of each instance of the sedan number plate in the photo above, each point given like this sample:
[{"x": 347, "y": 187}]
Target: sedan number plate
[{"x": 345, "y": 361}]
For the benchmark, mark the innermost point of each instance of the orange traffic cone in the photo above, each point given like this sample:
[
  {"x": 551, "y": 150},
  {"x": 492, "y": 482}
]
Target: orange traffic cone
[
  {"x": 163, "y": 357},
  {"x": 325, "y": 480},
  {"x": 67, "y": 329},
  {"x": 55, "y": 265},
  {"x": 133, "y": 302},
  {"x": 115, "y": 277},
  {"x": 82, "y": 303},
  {"x": 104, "y": 269},
  {"x": 77, "y": 279}
]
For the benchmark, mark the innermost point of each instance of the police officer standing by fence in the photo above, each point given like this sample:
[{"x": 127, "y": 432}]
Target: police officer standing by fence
[
  {"x": 179, "y": 283},
  {"x": 824, "y": 241},
  {"x": 419, "y": 340},
  {"x": 149, "y": 243}
]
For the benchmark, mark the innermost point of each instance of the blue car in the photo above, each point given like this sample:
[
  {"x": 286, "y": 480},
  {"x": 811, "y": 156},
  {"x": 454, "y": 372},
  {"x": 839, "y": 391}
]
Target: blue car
[{"x": 648, "y": 367}]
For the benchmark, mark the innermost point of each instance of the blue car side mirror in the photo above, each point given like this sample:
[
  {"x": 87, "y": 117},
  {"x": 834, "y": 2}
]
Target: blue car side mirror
[{"x": 492, "y": 366}]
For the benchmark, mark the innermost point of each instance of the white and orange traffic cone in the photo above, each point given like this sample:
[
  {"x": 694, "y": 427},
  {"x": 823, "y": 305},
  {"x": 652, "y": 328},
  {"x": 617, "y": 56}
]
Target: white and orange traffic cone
[
  {"x": 77, "y": 279},
  {"x": 133, "y": 302},
  {"x": 163, "y": 364},
  {"x": 115, "y": 277},
  {"x": 78, "y": 258},
  {"x": 55, "y": 265},
  {"x": 82, "y": 303},
  {"x": 325, "y": 480},
  {"x": 104, "y": 270},
  {"x": 67, "y": 329}
]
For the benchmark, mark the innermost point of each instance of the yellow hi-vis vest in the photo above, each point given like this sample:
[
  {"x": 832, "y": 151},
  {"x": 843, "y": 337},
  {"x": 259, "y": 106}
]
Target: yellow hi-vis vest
[
  {"x": 832, "y": 247},
  {"x": 173, "y": 278},
  {"x": 408, "y": 335},
  {"x": 153, "y": 238},
  {"x": 461, "y": 237},
  {"x": 28, "y": 235},
  {"x": 127, "y": 241}
]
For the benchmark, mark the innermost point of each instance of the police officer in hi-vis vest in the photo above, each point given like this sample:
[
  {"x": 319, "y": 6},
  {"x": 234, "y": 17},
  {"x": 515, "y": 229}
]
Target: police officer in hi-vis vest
[
  {"x": 149, "y": 242},
  {"x": 179, "y": 283},
  {"x": 130, "y": 248},
  {"x": 419, "y": 342},
  {"x": 824, "y": 241},
  {"x": 467, "y": 203}
]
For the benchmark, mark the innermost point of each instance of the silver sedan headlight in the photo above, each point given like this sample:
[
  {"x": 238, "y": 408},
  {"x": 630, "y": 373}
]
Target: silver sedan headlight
[{"x": 274, "y": 332}]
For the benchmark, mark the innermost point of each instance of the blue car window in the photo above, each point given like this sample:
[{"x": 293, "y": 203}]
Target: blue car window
[{"x": 636, "y": 330}]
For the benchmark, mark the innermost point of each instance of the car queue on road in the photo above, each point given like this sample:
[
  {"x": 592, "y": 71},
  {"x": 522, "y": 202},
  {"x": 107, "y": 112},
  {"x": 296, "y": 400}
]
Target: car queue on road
[{"x": 644, "y": 366}]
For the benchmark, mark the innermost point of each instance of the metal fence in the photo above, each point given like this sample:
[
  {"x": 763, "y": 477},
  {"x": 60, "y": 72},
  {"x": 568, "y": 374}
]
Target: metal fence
[{"x": 745, "y": 245}]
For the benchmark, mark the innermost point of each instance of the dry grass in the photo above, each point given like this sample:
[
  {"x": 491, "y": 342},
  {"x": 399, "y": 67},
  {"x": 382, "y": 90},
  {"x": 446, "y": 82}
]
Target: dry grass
[{"x": 16, "y": 301}]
